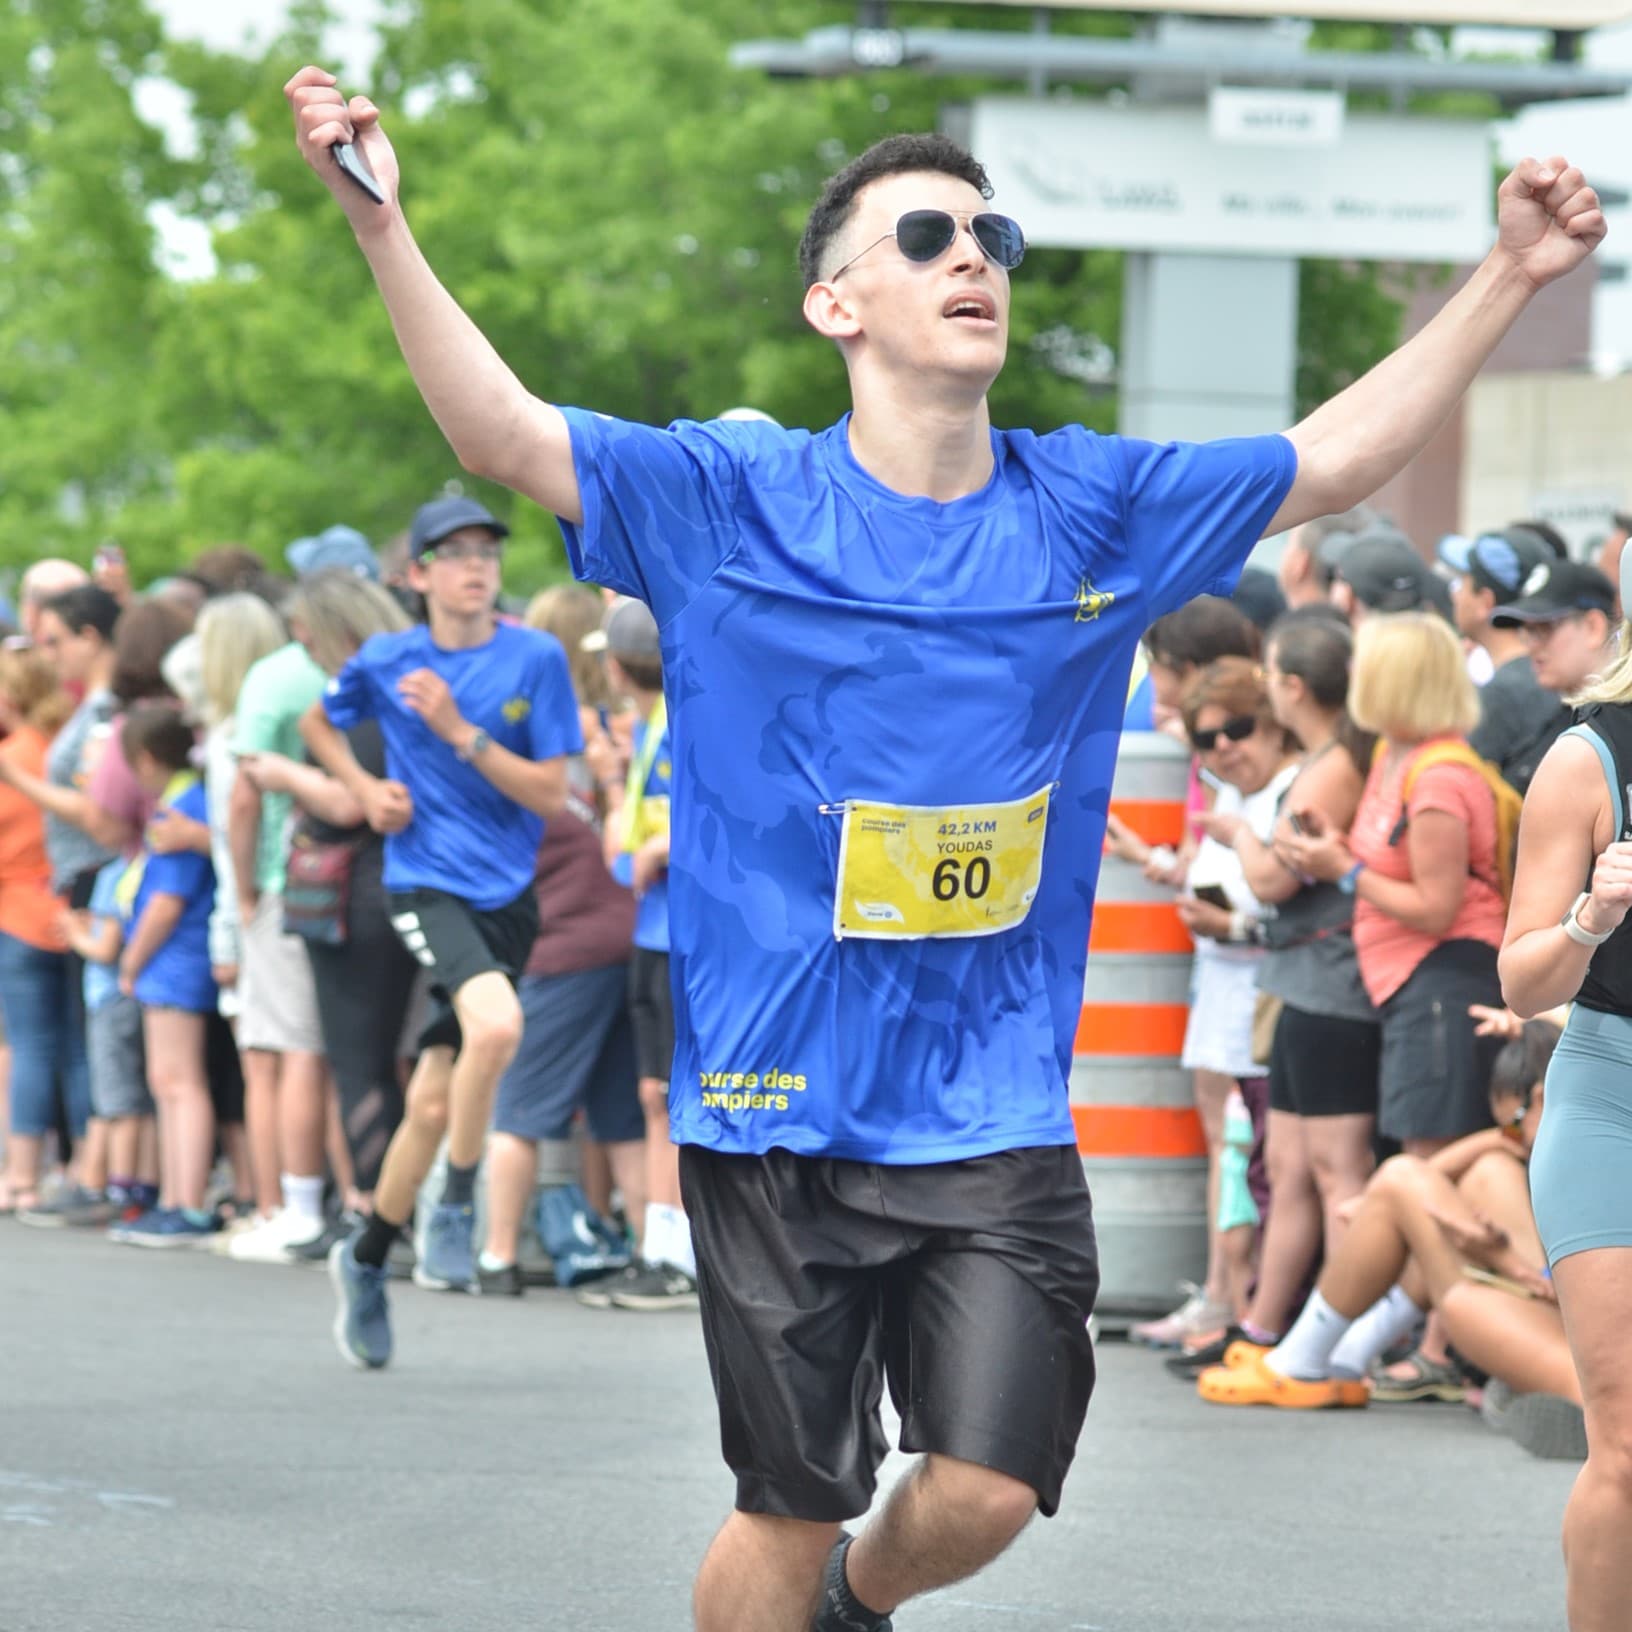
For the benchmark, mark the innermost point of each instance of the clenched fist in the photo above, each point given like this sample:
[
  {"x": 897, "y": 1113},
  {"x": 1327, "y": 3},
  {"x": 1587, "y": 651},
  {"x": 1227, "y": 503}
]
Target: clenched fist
[{"x": 323, "y": 118}]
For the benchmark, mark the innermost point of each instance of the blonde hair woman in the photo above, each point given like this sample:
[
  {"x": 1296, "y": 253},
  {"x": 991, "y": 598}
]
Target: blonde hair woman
[
  {"x": 1567, "y": 939},
  {"x": 1421, "y": 862}
]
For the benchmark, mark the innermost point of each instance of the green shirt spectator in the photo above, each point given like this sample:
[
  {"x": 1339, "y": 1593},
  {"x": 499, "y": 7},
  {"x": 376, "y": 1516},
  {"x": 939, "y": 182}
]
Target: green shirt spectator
[{"x": 275, "y": 693}]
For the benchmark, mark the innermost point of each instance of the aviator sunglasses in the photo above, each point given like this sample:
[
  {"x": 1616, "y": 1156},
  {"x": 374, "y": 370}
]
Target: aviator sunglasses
[
  {"x": 923, "y": 235},
  {"x": 1236, "y": 730}
]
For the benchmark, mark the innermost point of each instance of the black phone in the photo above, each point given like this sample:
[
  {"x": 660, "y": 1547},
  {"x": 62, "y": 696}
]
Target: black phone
[
  {"x": 347, "y": 156},
  {"x": 1295, "y": 822},
  {"x": 1214, "y": 896}
]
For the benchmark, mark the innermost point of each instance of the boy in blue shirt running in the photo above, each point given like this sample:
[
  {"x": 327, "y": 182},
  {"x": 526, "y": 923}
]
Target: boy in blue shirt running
[
  {"x": 478, "y": 718},
  {"x": 896, "y": 656}
]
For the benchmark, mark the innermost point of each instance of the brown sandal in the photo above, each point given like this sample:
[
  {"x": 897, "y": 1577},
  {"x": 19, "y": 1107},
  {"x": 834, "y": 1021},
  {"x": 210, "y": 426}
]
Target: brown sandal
[{"x": 1418, "y": 1378}]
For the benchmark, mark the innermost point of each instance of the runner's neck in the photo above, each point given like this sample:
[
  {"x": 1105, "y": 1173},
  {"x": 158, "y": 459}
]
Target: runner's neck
[
  {"x": 456, "y": 633},
  {"x": 921, "y": 450}
]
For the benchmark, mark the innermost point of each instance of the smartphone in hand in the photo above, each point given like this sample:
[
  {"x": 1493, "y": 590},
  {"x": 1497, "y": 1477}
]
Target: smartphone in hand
[
  {"x": 350, "y": 160},
  {"x": 1214, "y": 896}
]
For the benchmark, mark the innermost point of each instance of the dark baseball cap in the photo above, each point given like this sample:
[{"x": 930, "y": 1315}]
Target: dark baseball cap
[
  {"x": 1386, "y": 574},
  {"x": 1499, "y": 562},
  {"x": 338, "y": 548},
  {"x": 434, "y": 522},
  {"x": 1557, "y": 590},
  {"x": 627, "y": 630}
]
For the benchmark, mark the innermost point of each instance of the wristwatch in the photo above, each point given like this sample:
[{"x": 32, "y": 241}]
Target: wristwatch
[
  {"x": 1352, "y": 877},
  {"x": 1571, "y": 925},
  {"x": 479, "y": 744}
]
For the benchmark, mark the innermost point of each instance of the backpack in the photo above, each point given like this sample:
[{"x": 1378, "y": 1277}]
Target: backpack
[{"x": 1509, "y": 803}]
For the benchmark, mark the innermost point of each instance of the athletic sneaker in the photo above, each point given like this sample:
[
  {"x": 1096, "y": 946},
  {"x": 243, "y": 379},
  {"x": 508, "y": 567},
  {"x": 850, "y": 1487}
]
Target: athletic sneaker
[
  {"x": 833, "y": 1616},
  {"x": 169, "y": 1227},
  {"x": 1546, "y": 1425},
  {"x": 507, "y": 1282},
  {"x": 1194, "y": 1318},
  {"x": 448, "y": 1261},
  {"x": 1191, "y": 1363},
  {"x": 654, "y": 1286},
  {"x": 318, "y": 1248},
  {"x": 268, "y": 1240},
  {"x": 72, "y": 1207},
  {"x": 362, "y": 1327}
]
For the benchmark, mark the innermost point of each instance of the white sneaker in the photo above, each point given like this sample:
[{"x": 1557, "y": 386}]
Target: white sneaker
[
  {"x": 267, "y": 1240},
  {"x": 1194, "y": 1317}
]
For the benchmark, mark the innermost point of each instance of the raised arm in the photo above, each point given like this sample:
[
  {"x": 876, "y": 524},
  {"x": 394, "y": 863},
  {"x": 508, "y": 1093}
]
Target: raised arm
[
  {"x": 1549, "y": 221},
  {"x": 493, "y": 424}
]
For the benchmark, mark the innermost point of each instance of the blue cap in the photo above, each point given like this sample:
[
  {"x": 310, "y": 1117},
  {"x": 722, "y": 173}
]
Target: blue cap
[
  {"x": 433, "y": 522},
  {"x": 1499, "y": 562},
  {"x": 335, "y": 548}
]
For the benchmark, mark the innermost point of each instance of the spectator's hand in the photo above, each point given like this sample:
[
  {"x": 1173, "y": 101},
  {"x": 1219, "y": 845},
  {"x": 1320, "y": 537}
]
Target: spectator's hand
[
  {"x": 1222, "y": 828},
  {"x": 650, "y": 862},
  {"x": 1477, "y": 1239},
  {"x": 224, "y": 974},
  {"x": 388, "y": 806},
  {"x": 1205, "y": 919},
  {"x": 110, "y": 571},
  {"x": 169, "y": 832},
  {"x": 1548, "y": 220},
  {"x": 605, "y": 763},
  {"x": 1538, "y": 1282},
  {"x": 1325, "y": 857},
  {"x": 323, "y": 117},
  {"x": 426, "y": 694},
  {"x": 1611, "y": 893},
  {"x": 127, "y": 976},
  {"x": 1123, "y": 843},
  {"x": 1490, "y": 1022}
]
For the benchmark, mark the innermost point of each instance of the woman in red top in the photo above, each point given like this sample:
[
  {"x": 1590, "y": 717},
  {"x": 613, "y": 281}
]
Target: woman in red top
[
  {"x": 1429, "y": 910},
  {"x": 36, "y": 974}
]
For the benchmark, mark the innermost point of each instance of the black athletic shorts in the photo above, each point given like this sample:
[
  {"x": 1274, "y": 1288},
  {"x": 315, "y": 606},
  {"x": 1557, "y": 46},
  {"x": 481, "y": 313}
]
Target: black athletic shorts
[
  {"x": 455, "y": 942},
  {"x": 651, "y": 1013},
  {"x": 1320, "y": 1066},
  {"x": 966, "y": 1285}
]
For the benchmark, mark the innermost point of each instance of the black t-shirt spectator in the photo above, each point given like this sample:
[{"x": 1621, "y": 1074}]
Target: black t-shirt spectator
[
  {"x": 1518, "y": 721},
  {"x": 368, "y": 870}
]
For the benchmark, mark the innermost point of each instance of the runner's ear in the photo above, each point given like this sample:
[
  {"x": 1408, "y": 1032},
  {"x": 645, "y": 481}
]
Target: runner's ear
[{"x": 828, "y": 312}]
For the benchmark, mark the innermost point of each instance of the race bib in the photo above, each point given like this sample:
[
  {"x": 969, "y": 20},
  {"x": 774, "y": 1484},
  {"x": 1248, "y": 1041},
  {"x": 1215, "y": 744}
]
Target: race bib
[{"x": 915, "y": 872}]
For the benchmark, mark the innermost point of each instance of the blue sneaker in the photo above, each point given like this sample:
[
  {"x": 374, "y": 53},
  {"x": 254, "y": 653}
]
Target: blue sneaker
[
  {"x": 362, "y": 1328},
  {"x": 169, "y": 1227},
  {"x": 448, "y": 1260}
]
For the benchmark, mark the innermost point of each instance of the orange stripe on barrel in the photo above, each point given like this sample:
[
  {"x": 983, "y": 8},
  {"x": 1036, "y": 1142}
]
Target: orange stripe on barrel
[
  {"x": 1132, "y": 1029},
  {"x": 1156, "y": 821},
  {"x": 1113, "y": 1131},
  {"x": 1138, "y": 926}
]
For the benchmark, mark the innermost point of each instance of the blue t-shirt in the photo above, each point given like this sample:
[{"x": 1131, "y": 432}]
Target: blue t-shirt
[
  {"x": 827, "y": 639},
  {"x": 652, "y": 910},
  {"x": 466, "y": 838},
  {"x": 102, "y": 979},
  {"x": 178, "y": 975}
]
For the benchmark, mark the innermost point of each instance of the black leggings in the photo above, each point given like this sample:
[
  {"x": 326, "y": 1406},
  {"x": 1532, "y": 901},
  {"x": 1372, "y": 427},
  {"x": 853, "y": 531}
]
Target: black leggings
[{"x": 363, "y": 992}]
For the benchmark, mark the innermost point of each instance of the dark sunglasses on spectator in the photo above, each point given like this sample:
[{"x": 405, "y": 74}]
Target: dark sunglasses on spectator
[
  {"x": 1237, "y": 730},
  {"x": 924, "y": 235}
]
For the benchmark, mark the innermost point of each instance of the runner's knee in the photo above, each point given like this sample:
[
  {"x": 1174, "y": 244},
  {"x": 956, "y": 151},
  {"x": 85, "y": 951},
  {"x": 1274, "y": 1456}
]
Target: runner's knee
[{"x": 992, "y": 1504}]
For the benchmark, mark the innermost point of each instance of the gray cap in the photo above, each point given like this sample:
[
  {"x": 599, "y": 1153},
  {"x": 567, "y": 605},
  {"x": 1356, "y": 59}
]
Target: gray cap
[
  {"x": 335, "y": 548},
  {"x": 1385, "y": 572},
  {"x": 627, "y": 630}
]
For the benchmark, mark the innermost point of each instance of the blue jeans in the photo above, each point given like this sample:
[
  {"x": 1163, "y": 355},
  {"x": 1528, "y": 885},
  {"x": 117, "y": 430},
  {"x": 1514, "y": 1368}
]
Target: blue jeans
[{"x": 46, "y": 1036}]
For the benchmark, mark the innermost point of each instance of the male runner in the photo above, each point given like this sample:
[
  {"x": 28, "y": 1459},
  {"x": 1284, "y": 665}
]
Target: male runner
[
  {"x": 895, "y": 655},
  {"x": 477, "y": 718}
]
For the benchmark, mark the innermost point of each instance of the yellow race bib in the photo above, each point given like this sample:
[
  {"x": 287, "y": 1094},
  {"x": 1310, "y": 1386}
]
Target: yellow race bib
[{"x": 913, "y": 872}]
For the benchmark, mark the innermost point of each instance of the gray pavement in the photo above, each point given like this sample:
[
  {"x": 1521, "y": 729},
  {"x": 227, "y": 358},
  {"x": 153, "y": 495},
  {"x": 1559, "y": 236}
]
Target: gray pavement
[{"x": 182, "y": 1450}]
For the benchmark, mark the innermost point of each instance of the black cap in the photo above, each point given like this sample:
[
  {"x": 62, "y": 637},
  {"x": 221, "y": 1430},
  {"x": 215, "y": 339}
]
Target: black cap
[
  {"x": 433, "y": 522},
  {"x": 1556, "y": 590},
  {"x": 1387, "y": 575},
  {"x": 1259, "y": 596}
]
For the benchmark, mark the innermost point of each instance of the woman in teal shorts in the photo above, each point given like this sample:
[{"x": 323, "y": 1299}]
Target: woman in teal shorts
[{"x": 1569, "y": 938}]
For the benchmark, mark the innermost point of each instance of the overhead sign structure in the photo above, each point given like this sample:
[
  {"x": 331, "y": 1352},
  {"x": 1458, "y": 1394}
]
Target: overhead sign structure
[
  {"x": 1558, "y": 14},
  {"x": 1276, "y": 118},
  {"x": 1082, "y": 176}
]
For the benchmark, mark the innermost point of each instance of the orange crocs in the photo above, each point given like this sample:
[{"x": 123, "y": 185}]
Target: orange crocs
[
  {"x": 1243, "y": 1353},
  {"x": 1253, "y": 1383}
]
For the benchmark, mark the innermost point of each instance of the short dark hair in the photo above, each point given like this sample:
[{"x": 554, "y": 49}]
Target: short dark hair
[
  {"x": 86, "y": 606},
  {"x": 147, "y": 630},
  {"x": 894, "y": 156},
  {"x": 645, "y": 672},
  {"x": 1548, "y": 534},
  {"x": 1523, "y": 1061},
  {"x": 159, "y": 730},
  {"x": 1201, "y": 632}
]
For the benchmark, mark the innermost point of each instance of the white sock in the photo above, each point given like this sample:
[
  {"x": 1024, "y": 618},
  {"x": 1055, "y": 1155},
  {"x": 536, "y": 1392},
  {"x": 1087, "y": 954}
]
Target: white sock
[
  {"x": 491, "y": 1264},
  {"x": 1306, "y": 1351},
  {"x": 1375, "y": 1333},
  {"x": 303, "y": 1198},
  {"x": 667, "y": 1239}
]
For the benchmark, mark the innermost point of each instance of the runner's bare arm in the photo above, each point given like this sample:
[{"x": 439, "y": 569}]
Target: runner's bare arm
[
  {"x": 1549, "y": 222},
  {"x": 538, "y": 785},
  {"x": 492, "y": 422}
]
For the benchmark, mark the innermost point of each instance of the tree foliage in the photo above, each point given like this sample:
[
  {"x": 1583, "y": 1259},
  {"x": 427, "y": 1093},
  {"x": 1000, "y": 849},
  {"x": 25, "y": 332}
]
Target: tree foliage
[{"x": 615, "y": 206}]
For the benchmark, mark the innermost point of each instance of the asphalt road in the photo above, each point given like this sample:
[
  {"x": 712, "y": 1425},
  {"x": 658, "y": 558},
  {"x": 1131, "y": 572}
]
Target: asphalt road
[{"x": 181, "y": 1450}]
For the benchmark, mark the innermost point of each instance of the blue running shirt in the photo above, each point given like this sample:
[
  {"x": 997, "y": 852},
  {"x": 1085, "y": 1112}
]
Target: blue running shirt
[
  {"x": 466, "y": 838},
  {"x": 825, "y": 640}
]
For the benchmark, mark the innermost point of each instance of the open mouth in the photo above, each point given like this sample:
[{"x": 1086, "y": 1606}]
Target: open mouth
[{"x": 971, "y": 308}]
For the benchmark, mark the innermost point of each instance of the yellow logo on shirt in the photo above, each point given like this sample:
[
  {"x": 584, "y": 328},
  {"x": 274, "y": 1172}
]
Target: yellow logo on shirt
[
  {"x": 1091, "y": 602},
  {"x": 516, "y": 710}
]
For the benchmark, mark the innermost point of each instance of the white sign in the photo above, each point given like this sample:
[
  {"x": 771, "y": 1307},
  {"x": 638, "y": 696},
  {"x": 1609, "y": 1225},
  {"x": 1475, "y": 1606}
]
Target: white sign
[
  {"x": 1581, "y": 514},
  {"x": 1506, "y": 13},
  {"x": 1086, "y": 175},
  {"x": 1254, "y": 118}
]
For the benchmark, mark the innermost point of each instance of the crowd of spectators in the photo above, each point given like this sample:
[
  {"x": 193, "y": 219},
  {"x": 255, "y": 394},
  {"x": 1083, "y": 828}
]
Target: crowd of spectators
[{"x": 1363, "y": 731}]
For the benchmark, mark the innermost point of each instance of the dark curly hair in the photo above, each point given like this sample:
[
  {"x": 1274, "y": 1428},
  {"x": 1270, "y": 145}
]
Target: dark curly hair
[{"x": 894, "y": 156}]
